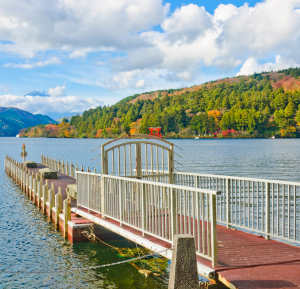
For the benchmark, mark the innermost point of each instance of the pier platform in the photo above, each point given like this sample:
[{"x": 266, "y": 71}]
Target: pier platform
[{"x": 245, "y": 260}]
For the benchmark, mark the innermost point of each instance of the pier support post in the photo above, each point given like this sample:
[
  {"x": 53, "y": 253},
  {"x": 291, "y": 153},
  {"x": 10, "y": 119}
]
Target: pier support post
[
  {"x": 183, "y": 273},
  {"x": 39, "y": 193},
  {"x": 45, "y": 197},
  {"x": 58, "y": 207},
  {"x": 51, "y": 200},
  {"x": 67, "y": 217},
  {"x": 34, "y": 189}
]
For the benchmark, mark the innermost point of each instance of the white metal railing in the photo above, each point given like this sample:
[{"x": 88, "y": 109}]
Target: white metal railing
[
  {"x": 263, "y": 206},
  {"x": 58, "y": 165},
  {"x": 157, "y": 209}
]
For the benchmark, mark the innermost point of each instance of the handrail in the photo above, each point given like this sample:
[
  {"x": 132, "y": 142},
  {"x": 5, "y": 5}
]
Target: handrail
[
  {"x": 239, "y": 178},
  {"x": 171, "y": 186}
]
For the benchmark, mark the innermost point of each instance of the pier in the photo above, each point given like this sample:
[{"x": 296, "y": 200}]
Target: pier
[{"x": 241, "y": 226}]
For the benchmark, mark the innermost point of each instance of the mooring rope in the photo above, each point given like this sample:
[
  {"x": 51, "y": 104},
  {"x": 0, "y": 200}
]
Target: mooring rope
[{"x": 81, "y": 269}]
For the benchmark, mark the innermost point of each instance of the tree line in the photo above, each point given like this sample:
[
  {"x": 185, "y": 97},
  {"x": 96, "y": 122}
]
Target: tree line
[{"x": 248, "y": 107}]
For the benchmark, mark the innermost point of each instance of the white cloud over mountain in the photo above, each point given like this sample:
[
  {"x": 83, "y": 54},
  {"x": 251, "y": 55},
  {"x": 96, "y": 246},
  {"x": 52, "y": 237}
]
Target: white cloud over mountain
[
  {"x": 49, "y": 105},
  {"x": 187, "y": 39}
]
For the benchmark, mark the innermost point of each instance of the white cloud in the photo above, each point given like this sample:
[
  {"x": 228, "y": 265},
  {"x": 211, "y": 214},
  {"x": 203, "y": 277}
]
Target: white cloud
[
  {"x": 187, "y": 23},
  {"x": 190, "y": 38},
  {"x": 193, "y": 38},
  {"x": 28, "y": 65},
  {"x": 251, "y": 66},
  {"x": 48, "y": 105},
  {"x": 140, "y": 84},
  {"x": 77, "y": 25},
  {"x": 79, "y": 53},
  {"x": 57, "y": 91},
  {"x": 122, "y": 80}
]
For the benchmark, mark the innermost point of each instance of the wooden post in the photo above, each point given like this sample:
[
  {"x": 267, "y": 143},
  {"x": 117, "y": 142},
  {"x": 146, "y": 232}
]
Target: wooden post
[
  {"x": 34, "y": 189},
  {"x": 45, "y": 197},
  {"x": 31, "y": 186},
  {"x": 58, "y": 206},
  {"x": 72, "y": 170},
  {"x": 67, "y": 217},
  {"x": 39, "y": 193},
  {"x": 184, "y": 273},
  {"x": 51, "y": 200},
  {"x": 67, "y": 168}
]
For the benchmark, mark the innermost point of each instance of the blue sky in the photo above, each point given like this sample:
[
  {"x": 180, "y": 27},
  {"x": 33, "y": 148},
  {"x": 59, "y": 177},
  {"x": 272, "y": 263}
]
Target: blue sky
[{"x": 88, "y": 53}]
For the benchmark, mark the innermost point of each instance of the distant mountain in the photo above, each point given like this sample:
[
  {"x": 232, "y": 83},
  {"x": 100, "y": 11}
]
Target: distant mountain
[
  {"x": 13, "y": 119},
  {"x": 37, "y": 93}
]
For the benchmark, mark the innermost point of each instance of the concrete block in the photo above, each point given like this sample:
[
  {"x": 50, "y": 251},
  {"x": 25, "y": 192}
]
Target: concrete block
[
  {"x": 48, "y": 174},
  {"x": 73, "y": 190},
  {"x": 30, "y": 164},
  {"x": 183, "y": 273}
]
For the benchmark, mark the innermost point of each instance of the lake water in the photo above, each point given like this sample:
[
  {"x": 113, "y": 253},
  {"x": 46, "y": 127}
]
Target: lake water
[{"x": 29, "y": 242}]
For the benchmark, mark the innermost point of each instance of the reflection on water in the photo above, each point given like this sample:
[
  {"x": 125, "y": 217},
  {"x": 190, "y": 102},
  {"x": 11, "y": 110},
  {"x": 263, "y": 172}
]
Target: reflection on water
[{"x": 29, "y": 242}]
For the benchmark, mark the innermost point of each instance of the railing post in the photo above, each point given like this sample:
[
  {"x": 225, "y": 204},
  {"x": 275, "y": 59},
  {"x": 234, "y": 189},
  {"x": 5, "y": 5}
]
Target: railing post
[
  {"x": 121, "y": 202},
  {"x": 228, "y": 202},
  {"x": 267, "y": 211},
  {"x": 144, "y": 209},
  {"x": 173, "y": 213},
  {"x": 213, "y": 212},
  {"x": 102, "y": 196}
]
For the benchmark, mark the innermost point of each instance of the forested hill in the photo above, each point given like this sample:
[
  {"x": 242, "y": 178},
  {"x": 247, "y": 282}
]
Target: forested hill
[{"x": 260, "y": 105}]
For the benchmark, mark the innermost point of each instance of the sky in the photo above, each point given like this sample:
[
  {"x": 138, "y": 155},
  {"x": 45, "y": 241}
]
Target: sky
[{"x": 89, "y": 53}]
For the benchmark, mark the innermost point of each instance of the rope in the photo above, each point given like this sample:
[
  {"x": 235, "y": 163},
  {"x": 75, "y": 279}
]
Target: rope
[{"x": 81, "y": 269}]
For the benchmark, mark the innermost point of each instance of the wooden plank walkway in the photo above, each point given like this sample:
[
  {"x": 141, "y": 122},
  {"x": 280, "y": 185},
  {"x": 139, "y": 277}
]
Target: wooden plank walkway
[{"x": 244, "y": 260}]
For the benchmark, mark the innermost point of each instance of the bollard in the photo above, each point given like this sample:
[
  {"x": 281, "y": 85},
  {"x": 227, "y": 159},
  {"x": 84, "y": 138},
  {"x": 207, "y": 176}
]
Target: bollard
[
  {"x": 183, "y": 273},
  {"x": 58, "y": 206},
  {"x": 67, "y": 217}
]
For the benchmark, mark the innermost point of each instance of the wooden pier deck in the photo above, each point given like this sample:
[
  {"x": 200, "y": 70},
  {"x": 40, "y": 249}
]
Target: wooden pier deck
[{"x": 244, "y": 260}]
